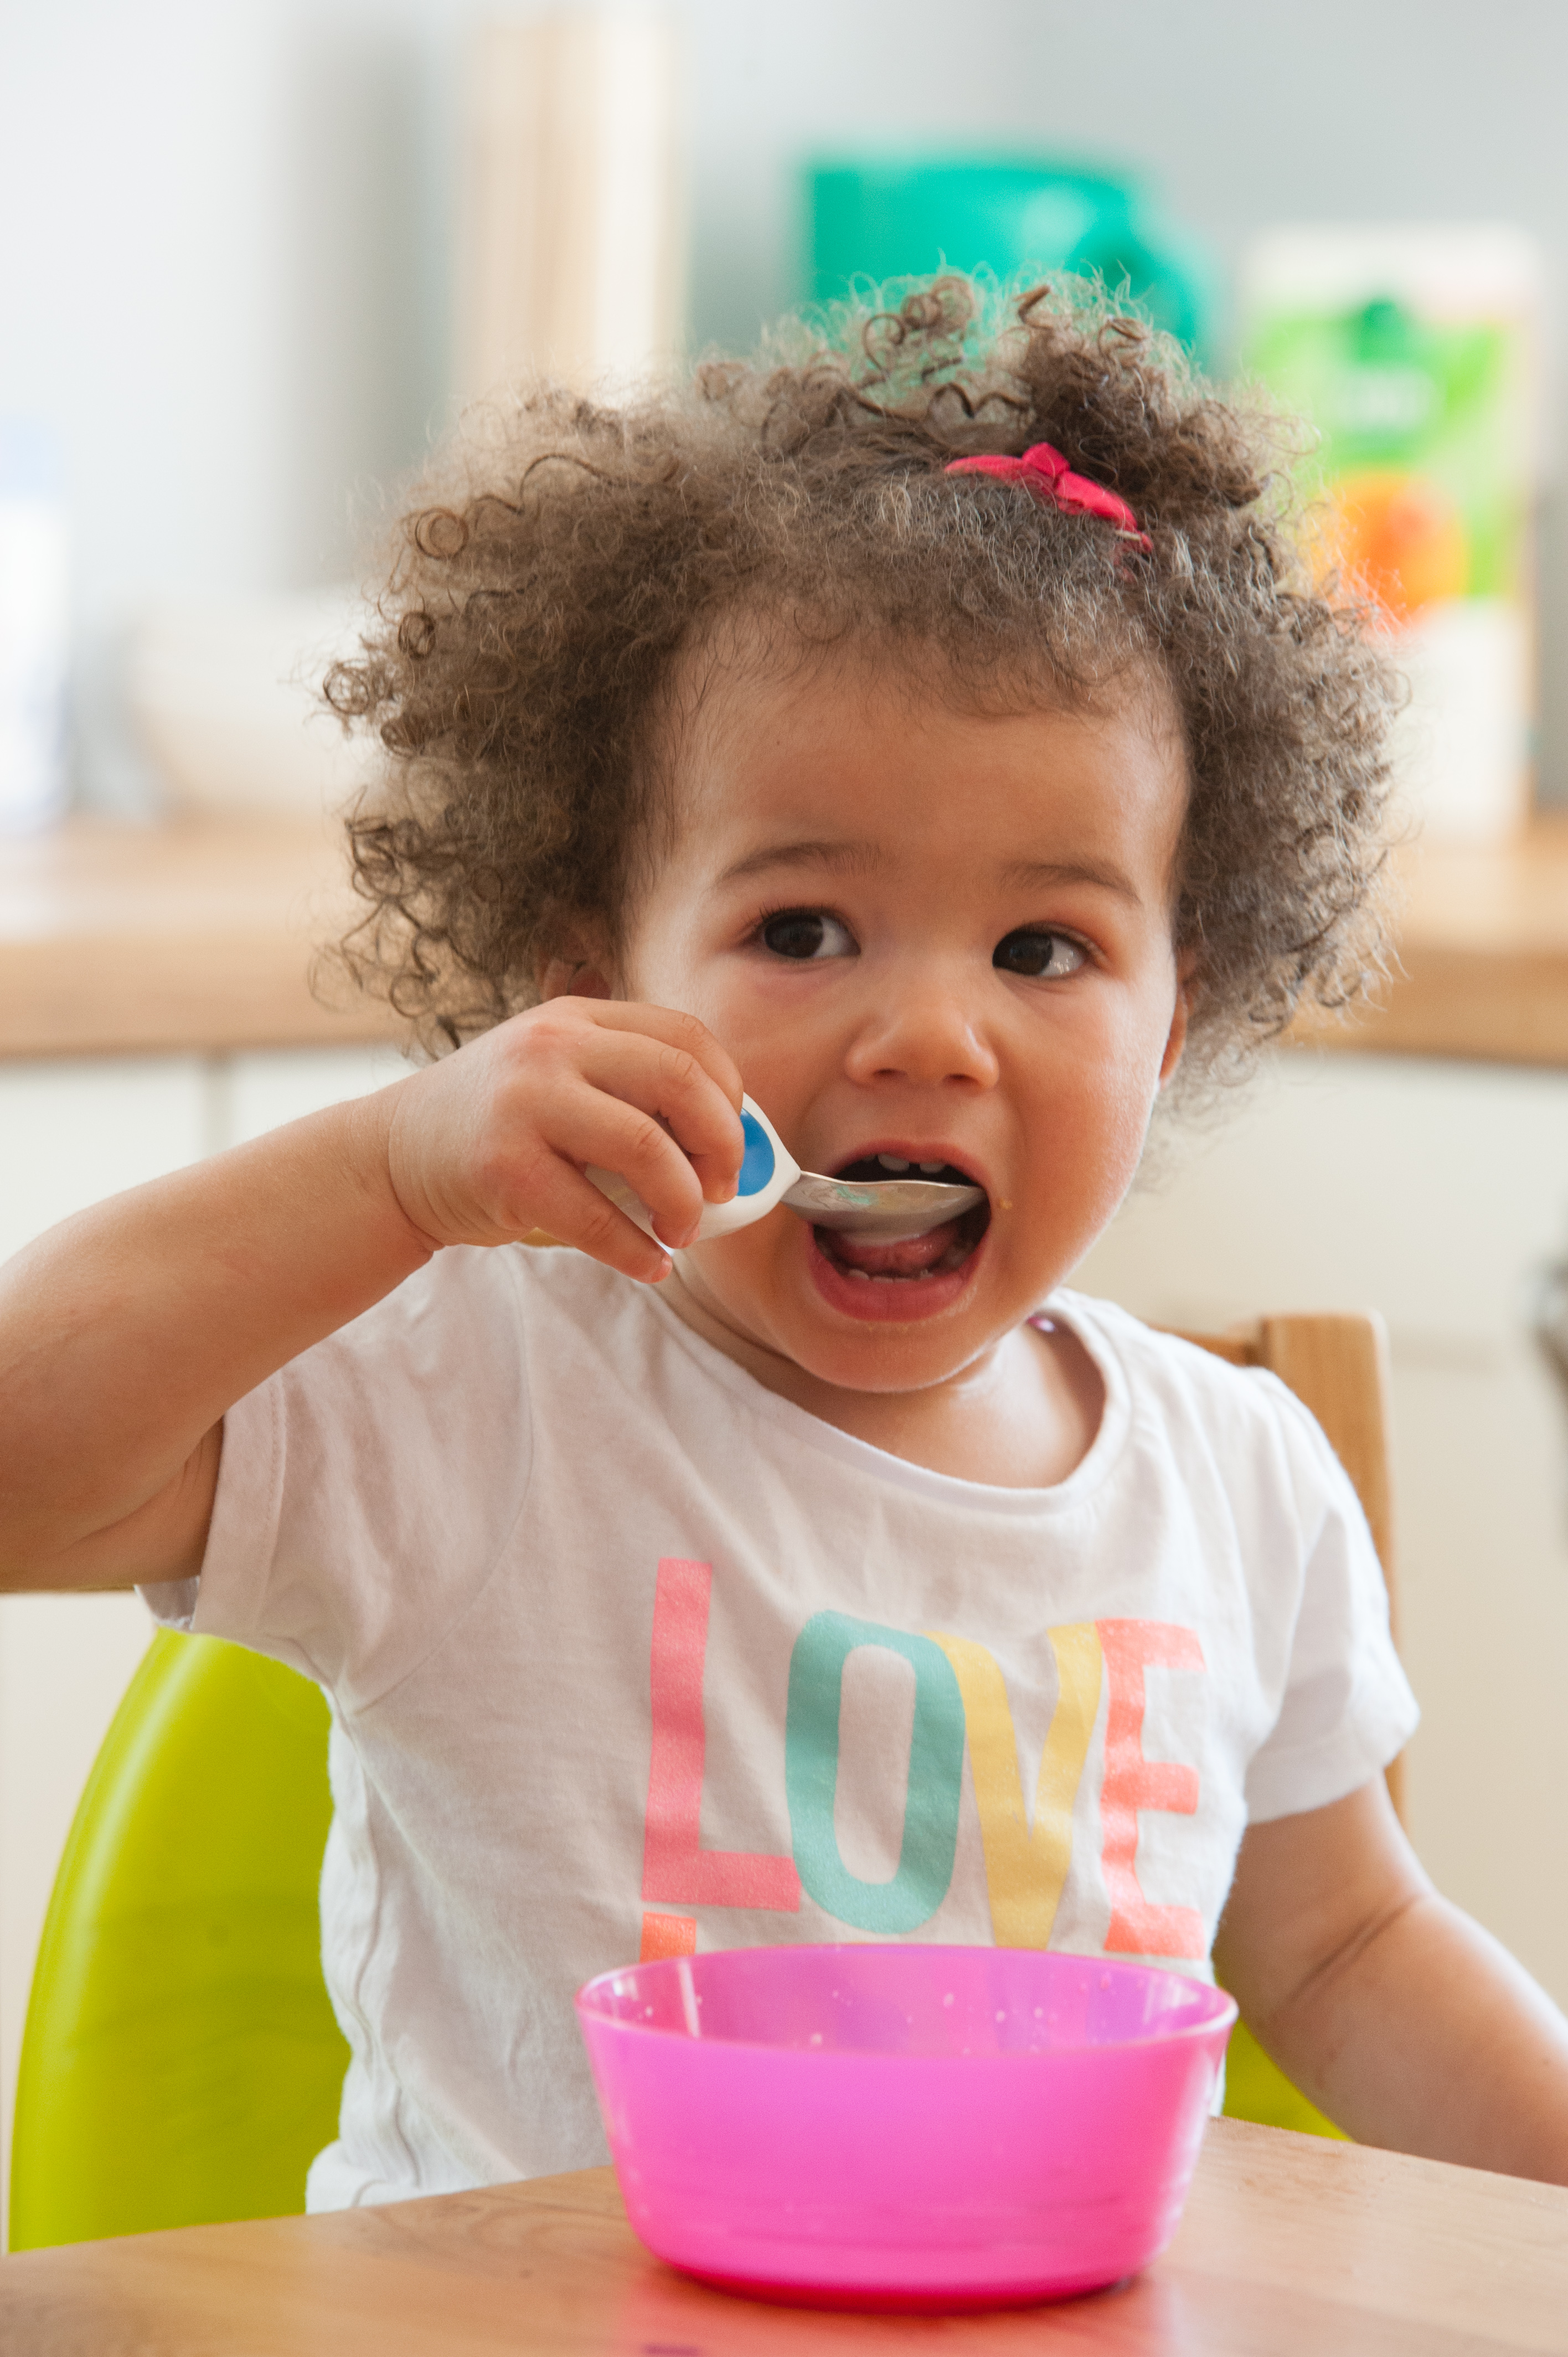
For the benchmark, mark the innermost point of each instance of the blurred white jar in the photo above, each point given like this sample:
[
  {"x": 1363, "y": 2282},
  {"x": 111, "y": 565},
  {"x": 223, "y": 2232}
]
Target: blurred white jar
[
  {"x": 35, "y": 629},
  {"x": 226, "y": 699}
]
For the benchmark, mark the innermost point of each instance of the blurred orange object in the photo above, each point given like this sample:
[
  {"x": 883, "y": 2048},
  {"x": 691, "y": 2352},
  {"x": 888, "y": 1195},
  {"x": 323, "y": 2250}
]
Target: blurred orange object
[{"x": 1400, "y": 537}]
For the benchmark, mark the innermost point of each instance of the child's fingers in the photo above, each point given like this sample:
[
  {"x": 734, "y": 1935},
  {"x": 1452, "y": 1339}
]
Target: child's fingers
[
  {"x": 492, "y": 1142},
  {"x": 686, "y": 1034},
  {"x": 590, "y": 1222},
  {"x": 667, "y": 1087},
  {"x": 586, "y": 1124},
  {"x": 665, "y": 1066}
]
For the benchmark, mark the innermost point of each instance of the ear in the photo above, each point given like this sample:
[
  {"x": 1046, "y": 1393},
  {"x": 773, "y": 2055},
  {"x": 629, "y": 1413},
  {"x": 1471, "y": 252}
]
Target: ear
[
  {"x": 1181, "y": 1014},
  {"x": 580, "y": 969}
]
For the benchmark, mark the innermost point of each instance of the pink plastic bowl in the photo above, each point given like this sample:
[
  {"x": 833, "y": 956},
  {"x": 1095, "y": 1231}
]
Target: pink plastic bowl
[{"x": 904, "y": 2126}]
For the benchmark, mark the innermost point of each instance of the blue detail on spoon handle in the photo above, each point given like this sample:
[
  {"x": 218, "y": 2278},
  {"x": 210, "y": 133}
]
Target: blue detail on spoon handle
[{"x": 758, "y": 1162}]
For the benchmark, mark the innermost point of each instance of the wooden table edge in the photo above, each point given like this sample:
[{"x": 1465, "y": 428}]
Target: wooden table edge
[{"x": 1318, "y": 2246}]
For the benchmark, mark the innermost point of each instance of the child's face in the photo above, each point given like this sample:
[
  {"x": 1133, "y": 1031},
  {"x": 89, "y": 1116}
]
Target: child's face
[{"x": 933, "y": 936}]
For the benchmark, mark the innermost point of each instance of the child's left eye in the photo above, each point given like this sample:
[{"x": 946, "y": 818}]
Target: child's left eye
[
  {"x": 806, "y": 933},
  {"x": 1039, "y": 954}
]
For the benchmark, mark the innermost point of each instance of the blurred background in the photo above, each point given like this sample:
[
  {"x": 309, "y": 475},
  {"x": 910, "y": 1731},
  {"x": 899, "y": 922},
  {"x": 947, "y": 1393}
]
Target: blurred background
[
  {"x": 254, "y": 257},
  {"x": 240, "y": 245}
]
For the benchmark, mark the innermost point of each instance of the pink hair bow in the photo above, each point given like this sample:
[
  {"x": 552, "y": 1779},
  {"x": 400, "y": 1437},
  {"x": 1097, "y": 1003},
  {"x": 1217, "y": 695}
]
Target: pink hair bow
[{"x": 1044, "y": 471}]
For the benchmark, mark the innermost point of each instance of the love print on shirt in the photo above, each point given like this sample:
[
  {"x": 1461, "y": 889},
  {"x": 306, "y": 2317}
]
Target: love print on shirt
[{"x": 960, "y": 1702}]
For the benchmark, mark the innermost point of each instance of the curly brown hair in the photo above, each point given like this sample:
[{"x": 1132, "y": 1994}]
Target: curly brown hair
[{"x": 566, "y": 557}]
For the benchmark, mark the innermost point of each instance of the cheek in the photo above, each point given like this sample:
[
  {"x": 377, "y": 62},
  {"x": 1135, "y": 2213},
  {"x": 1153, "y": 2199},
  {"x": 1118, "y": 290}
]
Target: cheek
[
  {"x": 654, "y": 973},
  {"x": 748, "y": 1274},
  {"x": 718, "y": 989},
  {"x": 782, "y": 1055},
  {"x": 1115, "y": 1084}
]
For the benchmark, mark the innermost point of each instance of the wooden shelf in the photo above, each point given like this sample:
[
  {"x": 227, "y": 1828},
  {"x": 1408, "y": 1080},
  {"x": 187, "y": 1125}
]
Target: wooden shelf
[
  {"x": 202, "y": 935},
  {"x": 1482, "y": 968}
]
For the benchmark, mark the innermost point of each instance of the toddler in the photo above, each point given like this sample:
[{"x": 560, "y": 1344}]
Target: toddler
[{"x": 934, "y": 732}]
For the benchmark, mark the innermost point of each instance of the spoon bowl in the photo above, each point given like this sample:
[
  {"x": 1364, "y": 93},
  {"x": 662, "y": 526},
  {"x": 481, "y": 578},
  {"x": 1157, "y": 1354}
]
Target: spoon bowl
[{"x": 879, "y": 1210}]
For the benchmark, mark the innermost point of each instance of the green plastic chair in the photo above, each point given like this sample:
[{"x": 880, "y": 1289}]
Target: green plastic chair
[
  {"x": 1257, "y": 2089},
  {"x": 180, "y": 2063}
]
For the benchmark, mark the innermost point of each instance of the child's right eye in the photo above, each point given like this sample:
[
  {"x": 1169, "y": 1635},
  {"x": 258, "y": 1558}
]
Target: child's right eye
[{"x": 807, "y": 933}]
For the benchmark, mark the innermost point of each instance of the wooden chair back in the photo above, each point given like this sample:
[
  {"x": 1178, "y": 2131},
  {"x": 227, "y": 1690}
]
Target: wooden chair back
[{"x": 1336, "y": 1363}]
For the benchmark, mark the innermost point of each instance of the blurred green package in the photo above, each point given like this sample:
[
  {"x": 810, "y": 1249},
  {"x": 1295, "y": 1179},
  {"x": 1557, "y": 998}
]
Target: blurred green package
[
  {"x": 904, "y": 215},
  {"x": 1414, "y": 354}
]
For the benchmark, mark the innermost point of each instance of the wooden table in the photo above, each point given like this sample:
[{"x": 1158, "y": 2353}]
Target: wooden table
[{"x": 1290, "y": 2248}]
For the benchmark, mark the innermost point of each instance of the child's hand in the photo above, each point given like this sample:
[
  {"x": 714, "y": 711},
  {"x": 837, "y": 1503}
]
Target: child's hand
[{"x": 490, "y": 1144}]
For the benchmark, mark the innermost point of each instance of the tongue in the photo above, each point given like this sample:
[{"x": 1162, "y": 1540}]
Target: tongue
[{"x": 905, "y": 1259}]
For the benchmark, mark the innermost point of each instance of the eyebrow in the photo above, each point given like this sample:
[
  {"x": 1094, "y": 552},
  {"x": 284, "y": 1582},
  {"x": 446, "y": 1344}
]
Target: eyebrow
[
  {"x": 844, "y": 858},
  {"x": 852, "y": 858},
  {"x": 1027, "y": 873}
]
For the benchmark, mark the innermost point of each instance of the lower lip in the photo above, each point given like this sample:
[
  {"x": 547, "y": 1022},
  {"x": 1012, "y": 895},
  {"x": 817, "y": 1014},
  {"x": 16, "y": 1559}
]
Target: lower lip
[{"x": 887, "y": 1301}]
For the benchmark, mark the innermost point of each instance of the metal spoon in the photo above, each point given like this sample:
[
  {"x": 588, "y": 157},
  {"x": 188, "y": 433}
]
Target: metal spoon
[{"x": 882, "y": 1210}]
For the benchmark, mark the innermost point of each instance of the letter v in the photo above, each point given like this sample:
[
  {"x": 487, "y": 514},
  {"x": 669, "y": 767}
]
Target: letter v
[{"x": 1026, "y": 1868}]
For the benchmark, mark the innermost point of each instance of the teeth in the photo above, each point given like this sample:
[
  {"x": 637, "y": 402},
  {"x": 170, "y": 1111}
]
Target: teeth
[
  {"x": 897, "y": 1162},
  {"x": 929, "y": 1167}
]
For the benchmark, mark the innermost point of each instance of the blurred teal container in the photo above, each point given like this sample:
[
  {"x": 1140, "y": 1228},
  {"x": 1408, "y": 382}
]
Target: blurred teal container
[{"x": 903, "y": 216}]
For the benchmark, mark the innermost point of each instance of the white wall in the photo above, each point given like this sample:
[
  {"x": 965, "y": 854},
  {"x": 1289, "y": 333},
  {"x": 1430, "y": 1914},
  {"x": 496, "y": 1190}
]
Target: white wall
[{"x": 224, "y": 230}]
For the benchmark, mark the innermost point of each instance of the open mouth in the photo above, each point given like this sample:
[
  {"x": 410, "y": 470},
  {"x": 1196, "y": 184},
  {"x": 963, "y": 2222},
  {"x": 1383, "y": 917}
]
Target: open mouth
[{"x": 942, "y": 1251}]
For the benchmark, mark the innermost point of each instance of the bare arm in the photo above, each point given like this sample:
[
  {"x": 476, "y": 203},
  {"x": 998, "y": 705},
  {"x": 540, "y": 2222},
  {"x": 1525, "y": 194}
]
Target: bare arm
[
  {"x": 126, "y": 1333},
  {"x": 1409, "y": 2024}
]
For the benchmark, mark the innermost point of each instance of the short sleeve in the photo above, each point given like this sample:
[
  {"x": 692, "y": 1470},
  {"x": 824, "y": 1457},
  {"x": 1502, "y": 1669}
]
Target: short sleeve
[
  {"x": 1348, "y": 1708},
  {"x": 368, "y": 1487}
]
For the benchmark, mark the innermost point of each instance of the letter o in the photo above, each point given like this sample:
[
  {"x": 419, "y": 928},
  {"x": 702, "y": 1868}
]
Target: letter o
[{"x": 810, "y": 1776}]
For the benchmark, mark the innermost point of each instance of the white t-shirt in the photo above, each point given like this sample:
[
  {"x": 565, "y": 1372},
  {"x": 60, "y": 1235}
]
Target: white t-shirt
[{"x": 625, "y": 1654}]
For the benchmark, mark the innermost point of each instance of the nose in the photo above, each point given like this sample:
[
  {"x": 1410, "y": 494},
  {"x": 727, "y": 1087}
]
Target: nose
[{"x": 923, "y": 1027}]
